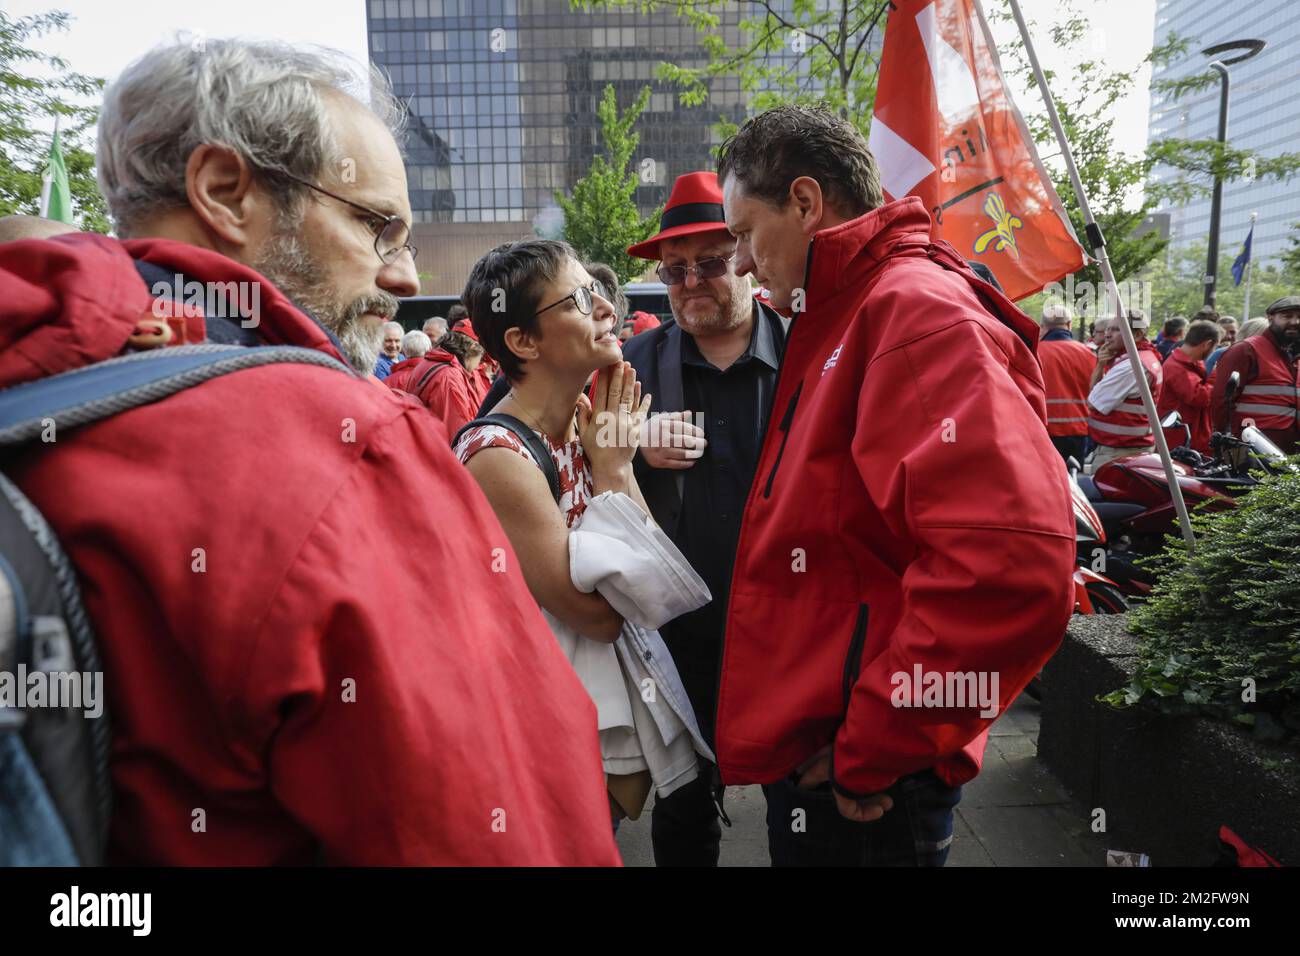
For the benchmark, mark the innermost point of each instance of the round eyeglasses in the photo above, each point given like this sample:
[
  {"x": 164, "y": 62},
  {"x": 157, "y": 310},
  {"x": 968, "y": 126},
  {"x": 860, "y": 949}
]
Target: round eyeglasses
[{"x": 581, "y": 297}]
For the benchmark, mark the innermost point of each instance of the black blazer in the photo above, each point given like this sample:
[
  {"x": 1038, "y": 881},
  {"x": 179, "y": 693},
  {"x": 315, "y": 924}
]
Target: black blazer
[{"x": 657, "y": 357}]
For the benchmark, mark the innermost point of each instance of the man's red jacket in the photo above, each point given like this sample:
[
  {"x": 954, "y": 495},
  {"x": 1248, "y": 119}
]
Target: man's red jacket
[
  {"x": 908, "y": 509},
  {"x": 1185, "y": 390},
  {"x": 288, "y": 678}
]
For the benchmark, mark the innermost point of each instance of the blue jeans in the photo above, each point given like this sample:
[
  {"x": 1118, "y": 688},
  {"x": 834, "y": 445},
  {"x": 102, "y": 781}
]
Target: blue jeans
[{"x": 916, "y": 832}]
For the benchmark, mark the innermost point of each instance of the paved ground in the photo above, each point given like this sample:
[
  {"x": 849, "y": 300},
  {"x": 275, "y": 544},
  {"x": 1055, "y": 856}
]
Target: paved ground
[{"x": 1014, "y": 813}]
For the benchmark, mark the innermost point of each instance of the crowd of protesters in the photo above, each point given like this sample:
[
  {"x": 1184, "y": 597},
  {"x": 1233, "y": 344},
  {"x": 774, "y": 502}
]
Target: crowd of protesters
[
  {"x": 1095, "y": 409},
  {"x": 748, "y": 506}
]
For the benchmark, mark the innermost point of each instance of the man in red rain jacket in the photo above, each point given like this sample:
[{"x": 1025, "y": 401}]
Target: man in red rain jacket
[
  {"x": 267, "y": 660},
  {"x": 1184, "y": 388},
  {"x": 1269, "y": 366},
  {"x": 904, "y": 566}
]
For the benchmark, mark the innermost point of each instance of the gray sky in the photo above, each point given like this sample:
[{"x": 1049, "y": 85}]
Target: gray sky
[{"x": 106, "y": 36}]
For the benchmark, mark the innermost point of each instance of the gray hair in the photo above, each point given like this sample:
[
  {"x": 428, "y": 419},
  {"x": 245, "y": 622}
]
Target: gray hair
[
  {"x": 1252, "y": 327},
  {"x": 415, "y": 344},
  {"x": 393, "y": 326},
  {"x": 263, "y": 99},
  {"x": 1057, "y": 315}
]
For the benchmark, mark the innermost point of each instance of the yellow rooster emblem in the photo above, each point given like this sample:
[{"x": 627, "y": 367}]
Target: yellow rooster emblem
[{"x": 1002, "y": 235}]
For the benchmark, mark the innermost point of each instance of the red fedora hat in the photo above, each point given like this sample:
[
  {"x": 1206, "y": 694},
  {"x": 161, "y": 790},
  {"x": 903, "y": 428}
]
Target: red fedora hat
[{"x": 694, "y": 205}]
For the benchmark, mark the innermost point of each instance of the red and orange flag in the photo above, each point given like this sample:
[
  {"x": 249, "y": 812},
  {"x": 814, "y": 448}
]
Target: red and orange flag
[{"x": 946, "y": 129}]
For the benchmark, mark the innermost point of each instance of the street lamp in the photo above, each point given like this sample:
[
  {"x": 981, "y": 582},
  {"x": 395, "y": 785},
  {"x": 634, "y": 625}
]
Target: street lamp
[{"x": 1245, "y": 50}]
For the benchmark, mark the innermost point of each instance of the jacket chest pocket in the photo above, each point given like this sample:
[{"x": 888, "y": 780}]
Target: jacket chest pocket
[
  {"x": 787, "y": 422},
  {"x": 853, "y": 660}
]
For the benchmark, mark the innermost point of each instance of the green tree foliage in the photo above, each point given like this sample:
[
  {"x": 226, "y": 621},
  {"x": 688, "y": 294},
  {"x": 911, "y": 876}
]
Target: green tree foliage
[
  {"x": 1291, "y": 257},
  {"x": 1223, "y": 623},
  {"x": 26, "y": 99},
  {"x": 1177, "y": 289},
  {"x": 806, "y": 51},
  {"x": 600, "y": 217},
  {"x": 839, "y": 68}
]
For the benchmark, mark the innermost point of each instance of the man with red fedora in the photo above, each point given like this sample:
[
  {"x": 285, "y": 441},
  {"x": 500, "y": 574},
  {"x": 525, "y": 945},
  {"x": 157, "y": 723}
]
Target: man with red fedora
[{"x": 711, "y": 371}]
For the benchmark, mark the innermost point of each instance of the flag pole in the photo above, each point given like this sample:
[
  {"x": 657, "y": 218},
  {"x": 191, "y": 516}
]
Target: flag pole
[
  {"x": 1097, "y": 243},
  {"x": 47, "y": 181},
  {"x": 1245, "y": 311}
]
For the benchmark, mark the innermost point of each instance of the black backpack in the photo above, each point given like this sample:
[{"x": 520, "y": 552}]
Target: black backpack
[{"x": 55, "y": 793}]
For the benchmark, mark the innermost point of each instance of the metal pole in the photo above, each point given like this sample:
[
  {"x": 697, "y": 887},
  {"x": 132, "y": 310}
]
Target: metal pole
[
  {"x": 1250, "y": 263},
  {"x": 1216, "y": 201},
  {"x": 1098, "y": 243}
]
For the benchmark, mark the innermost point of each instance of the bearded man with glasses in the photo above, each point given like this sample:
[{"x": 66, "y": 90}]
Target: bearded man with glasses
[
  {"x": 711, "y": 373},
  {"x": 261, "y": 608}
]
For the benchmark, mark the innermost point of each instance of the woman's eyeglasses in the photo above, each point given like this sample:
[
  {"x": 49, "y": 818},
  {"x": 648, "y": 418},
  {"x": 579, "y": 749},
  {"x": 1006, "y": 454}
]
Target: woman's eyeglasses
[
  {"x": 581, "y": 297},
  {"x": 704, "y": 269}
]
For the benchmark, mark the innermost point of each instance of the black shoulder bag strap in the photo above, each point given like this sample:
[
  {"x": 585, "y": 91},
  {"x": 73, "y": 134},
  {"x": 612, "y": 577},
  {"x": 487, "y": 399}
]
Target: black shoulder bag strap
[{"x": 536, "y": 447}]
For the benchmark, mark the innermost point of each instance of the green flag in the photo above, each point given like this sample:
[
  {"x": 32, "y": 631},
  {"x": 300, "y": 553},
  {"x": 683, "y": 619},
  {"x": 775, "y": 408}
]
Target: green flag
[{"x": 56, "y": 197}]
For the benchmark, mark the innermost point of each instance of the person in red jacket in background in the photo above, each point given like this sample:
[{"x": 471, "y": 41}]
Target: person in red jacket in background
[
  {"x": 484, "y": 369},
  {"x": 444, "y": 380},
  {"x": 1067, "y": 366},
  {"x": 1185, "y": 389},
  {"x": 228, "y": 538},
  {"x": 643, "y": 322},
  {"x": 1269, "y": 365},
  {"x": 909, "y": 525}
]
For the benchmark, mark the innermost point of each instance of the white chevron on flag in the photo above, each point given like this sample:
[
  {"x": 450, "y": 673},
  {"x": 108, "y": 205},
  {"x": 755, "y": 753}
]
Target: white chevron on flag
[{"x": 902, "y": 166}]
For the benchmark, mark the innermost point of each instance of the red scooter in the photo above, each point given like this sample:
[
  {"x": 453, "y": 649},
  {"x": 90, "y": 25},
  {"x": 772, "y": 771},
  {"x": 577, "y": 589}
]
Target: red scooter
[
  {"x": 1131, "y": 495},
  {"x": 1094, "y": 592}
]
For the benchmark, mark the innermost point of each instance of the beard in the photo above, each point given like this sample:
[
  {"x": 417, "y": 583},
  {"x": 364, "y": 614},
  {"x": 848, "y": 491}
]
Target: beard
[
  {"x": 717, "y": 316},
  {"x": 292, "y": 269}
]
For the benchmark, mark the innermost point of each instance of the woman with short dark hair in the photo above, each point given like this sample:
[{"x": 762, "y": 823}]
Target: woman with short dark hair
[{"x": 550, "y": 325}]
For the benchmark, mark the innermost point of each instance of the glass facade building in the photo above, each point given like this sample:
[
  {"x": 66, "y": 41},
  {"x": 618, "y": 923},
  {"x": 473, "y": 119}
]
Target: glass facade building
[
  {"x": 1263, "y": 115},
  {"x": 503, "y": 97}
]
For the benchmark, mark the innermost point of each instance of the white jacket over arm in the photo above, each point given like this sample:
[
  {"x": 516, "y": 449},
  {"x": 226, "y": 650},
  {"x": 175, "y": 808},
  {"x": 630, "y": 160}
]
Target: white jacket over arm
[{"x": 645, "y": 718}]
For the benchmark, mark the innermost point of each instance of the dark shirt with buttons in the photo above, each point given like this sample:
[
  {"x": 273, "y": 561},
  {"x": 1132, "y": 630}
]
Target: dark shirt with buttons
[{"x": 732, "y": 405}]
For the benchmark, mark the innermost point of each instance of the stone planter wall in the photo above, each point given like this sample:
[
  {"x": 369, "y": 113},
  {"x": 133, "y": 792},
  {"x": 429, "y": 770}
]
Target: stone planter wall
[{"x": 1166, "y": 783}]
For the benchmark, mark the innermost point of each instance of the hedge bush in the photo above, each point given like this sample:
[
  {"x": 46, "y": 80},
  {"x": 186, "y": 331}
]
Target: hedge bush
[{"x": 1224, "y": 620}]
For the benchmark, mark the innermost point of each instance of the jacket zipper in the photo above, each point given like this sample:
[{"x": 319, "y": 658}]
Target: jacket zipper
[
  {"x": 731, "y": 592},
  {"x": 853, "y": 662},
  {"x": 786, "y": 421}
]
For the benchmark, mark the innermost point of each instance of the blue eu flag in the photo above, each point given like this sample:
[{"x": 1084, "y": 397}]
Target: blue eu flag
[{"x": 1239, "y": 267}]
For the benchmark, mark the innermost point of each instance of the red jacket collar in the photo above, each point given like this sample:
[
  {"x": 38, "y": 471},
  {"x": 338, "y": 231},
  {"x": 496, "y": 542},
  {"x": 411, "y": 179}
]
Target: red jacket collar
[
  {"x": 281, "y": 322},
  {"x": 73, "y": 300},
  {"x": 1177, "y": 356},
  {"x": 842, "y": 255}
]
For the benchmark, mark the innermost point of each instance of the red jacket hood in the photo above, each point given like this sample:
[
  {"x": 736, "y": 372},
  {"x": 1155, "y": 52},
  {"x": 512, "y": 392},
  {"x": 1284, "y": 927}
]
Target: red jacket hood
[
  {"x": 76, "y": 305},
  {"x": 406, "y": 364}
]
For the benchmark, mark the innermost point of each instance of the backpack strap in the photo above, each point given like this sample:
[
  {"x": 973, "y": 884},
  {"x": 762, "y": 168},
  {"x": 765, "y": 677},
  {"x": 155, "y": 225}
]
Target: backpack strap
[
  {"x": 536, "y": 447},
  {"x": 418, "y": 388},
  {"x": 86, "y": 395}
]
